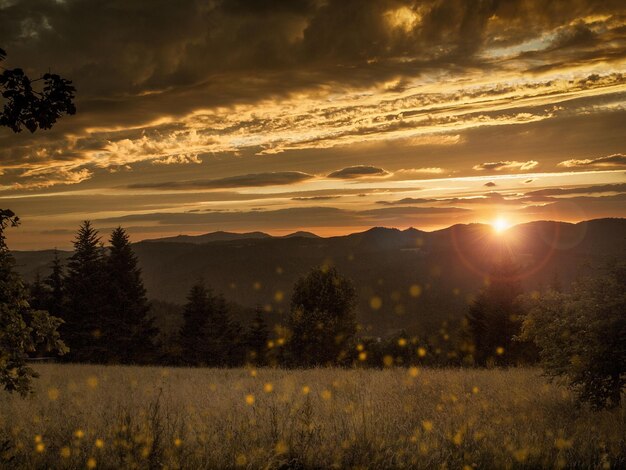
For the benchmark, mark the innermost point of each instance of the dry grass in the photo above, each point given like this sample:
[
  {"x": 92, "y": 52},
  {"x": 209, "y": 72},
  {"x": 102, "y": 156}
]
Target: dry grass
[{"x": 132, "y": 417}]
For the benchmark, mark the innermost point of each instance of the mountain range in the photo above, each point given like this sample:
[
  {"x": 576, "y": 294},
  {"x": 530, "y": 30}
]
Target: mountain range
[{"x": 405, "y": 279}]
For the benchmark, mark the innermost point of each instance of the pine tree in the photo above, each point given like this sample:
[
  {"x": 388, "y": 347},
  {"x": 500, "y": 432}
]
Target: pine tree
[
  {"x": 194, "y": 321},
  {"x": 223, "y": 343},
  {"x": 54, "y": 282},
  {"x": 86, "y": 305},
  {"x": 129, "y": 331},
  {"x": 256, "y": 340},
  {"x": 38, "y": 293}
]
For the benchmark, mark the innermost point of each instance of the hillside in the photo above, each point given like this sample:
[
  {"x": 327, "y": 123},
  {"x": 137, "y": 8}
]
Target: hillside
[{"x": 448, "y": 265}]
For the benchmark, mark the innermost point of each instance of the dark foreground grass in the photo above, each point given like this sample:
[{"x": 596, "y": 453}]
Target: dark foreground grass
[{"x": 140, "y": 417}]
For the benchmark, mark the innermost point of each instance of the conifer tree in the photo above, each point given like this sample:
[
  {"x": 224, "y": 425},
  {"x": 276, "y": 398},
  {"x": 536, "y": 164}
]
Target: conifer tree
[
  {"x": 194, "y": 321},
  {"x": 54, "y": 282},
  {"x": 86, "y": 306},
  {"x": 256, "y": 340},
  {"x": 38, "y": 293},
  {"x": 129, "y": 330}
]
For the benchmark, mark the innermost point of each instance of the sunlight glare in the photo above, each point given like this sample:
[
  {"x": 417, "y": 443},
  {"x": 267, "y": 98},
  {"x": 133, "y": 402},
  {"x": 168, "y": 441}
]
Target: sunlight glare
[{"x": 500, "y": 225}]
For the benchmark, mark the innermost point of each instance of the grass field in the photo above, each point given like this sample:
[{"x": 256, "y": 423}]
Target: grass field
[{"x": 112, "y": 417}]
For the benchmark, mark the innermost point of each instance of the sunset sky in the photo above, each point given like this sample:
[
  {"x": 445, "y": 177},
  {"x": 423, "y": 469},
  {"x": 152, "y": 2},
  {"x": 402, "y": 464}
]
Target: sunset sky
[{"x": 331, "y": 116}]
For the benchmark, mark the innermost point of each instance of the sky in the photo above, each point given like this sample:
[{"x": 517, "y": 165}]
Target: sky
[{"x": 330, "y": 116}]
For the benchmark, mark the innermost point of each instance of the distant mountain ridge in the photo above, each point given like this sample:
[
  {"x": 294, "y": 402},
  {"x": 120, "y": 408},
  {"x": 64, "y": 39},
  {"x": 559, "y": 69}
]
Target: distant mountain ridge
[
  {"x": 221, "y": 236},
  {"x": 448, "y": 265}
]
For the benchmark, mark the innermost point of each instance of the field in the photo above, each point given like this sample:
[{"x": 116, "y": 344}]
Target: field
[{"x": 110, "y": 417}]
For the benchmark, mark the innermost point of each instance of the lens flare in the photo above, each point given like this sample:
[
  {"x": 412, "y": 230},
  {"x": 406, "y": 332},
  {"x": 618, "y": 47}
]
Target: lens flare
[{"x": 500, "y": 225}]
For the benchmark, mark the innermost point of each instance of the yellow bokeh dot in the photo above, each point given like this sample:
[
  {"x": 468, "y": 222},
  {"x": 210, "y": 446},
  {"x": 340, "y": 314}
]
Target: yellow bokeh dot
[
  {"x": 65, "y": 452},
  {"x": 362, "y": 356},
  {"x": 92, "y": 381},
  {"x": 178, "y": 442},
  {"x": 79, "y": 434},
  {"x": 250, "y": 400},
  {"x": 53, "y": 393},
  {"x": 306, "y": 390},
  {"x": 376, "y": 302},
  {"x": 499, "y": 350},
  {"x": 268, "y": 388},
  {"x": 99, "y": 443},
  {"x": 91, "y": 462},
  {"x": 457, "y": 439},
  {"x": 40, "y": 447},
  {"x": 427, "y": 425},
  {"x": 415, "y": 290},
  {"x": 421, "y": 352},
  {"x": 388, "y": 361},
  {"x": 38, "y": 438},
  {"x": 281, "y": 447},
  {"x": 402, "y": 342},
  {"x": 360, "y": 347},
  {"x": 256, "y": 286},
  {"x": 241, "y": 460},
  {"x": 475, "y": 390},
  {"x": 414, "y": 371},
  {"x": 279, "y": 296},
  {"x": 326, "y": 395}
]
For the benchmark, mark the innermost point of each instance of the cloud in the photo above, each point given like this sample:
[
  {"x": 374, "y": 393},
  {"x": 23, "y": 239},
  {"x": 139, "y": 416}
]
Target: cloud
[
  {"x": 604, "y": 188},
  {"x": 490, "y": 184},
  {"x": 611, "y": 161},
  {"x": 407, "y": 200},
  {"x": 180, "y": 159},
  {"x": 315, "y": 198},
  {"x": 506, "y": 165},
  {"x": 358, "y": 171},
  {"x": 528, "y": 181},
  {"x": 255, "y": 179}
]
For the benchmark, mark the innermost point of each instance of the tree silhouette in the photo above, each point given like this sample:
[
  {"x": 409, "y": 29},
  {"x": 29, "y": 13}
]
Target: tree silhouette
[
  {"x": 54, "y": 283},
  {"x": 194, "y": 321},
  {"x": 22, "y": 328},
  {"x": 321, "y": 320},
  {"x": 129, "y": 331},
  {"x": 86, "y": 306},
  {"x": 495, "y": 316},
  {"x": 581, "y": 336},
  {"x": 256, "y": 339},
  {"x": 26, "y": 106}
]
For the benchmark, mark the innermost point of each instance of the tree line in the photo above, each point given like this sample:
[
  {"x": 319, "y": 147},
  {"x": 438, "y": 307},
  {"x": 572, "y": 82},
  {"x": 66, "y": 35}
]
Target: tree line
[{"x": 95, "y": 309}]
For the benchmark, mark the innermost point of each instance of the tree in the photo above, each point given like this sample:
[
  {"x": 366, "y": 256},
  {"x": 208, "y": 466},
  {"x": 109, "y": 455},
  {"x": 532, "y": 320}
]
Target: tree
[
  {"x": 22, "y": 328},
  {"x": 86, "y": 306},
  {"x": 129, "y": 330},
  {"x": 256, "y": 339},
  {"x": 28, "y": 107},
  {"x": 54, "y": 283},
  {"x": 321, "y": 321},
  {"x": 494, "y": 318},
  {"x": 581, "y": 336},
  {"x": 194, "y": 321},
  {"x": 38, "y": 293}
]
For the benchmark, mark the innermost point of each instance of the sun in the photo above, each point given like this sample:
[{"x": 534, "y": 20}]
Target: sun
[{"x": 500, "y": 225}]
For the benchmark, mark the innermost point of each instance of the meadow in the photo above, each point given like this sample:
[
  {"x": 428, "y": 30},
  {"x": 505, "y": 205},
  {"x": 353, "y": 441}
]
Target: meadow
[{"x": 84, "y": 416}]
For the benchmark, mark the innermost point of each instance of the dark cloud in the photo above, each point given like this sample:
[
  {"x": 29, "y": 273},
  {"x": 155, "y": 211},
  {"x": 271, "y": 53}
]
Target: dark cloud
[
  {"x": 616, "y": 160},
  {"x": 603, "y": 188},
  {"x": 490, "y": 184},
  {"x": 358, "y": 171},
  {"x": 253, "y": 179}
]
